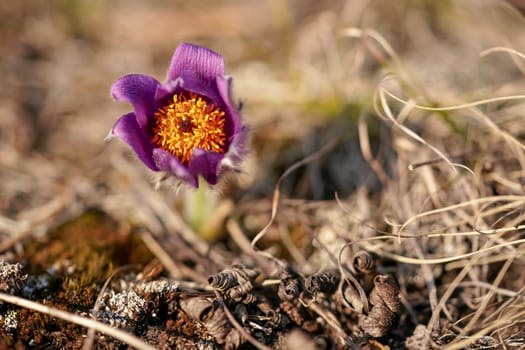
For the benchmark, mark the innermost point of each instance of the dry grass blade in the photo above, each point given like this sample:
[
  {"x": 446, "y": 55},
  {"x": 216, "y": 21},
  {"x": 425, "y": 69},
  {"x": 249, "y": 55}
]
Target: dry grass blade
[
  {"x": 277, "y": 192},
  {"x": 514, "y": 143},
  {"x": 514, "y": 201},
  {"x": 386, "y": 112},
  {"x": 428, "y": 261},
  {"x": 364, "y": 142},
  {"x": 488, "y": 297},
  {"x": 384, "y": 92},
  {"x": 510, "y": 51},
  {"x": 382, "y": 42},
  {"x": 516, "y": 316}
]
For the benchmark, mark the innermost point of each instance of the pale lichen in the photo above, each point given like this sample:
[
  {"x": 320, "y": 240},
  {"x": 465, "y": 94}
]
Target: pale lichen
[{"x": 9, "y": 321}]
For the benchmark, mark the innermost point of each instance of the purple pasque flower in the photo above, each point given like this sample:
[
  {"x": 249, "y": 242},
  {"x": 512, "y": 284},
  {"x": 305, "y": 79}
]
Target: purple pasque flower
[{"x": 188, "y": 125}]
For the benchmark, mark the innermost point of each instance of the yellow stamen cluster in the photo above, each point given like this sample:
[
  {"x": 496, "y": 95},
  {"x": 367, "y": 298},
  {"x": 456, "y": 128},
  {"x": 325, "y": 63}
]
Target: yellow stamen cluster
[{"x": 187, "y": 123}]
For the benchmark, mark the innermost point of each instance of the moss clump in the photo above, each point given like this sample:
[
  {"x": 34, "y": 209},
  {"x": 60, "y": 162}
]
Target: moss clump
[{"x": 70, "y": 268}]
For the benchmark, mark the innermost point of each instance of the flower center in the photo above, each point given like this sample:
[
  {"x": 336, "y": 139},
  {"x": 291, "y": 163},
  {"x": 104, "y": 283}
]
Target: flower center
[{"x": 187, "y": 123}]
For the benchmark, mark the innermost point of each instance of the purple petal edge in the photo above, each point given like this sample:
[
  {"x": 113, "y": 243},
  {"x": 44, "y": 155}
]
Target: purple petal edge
[
  {"x": 224, "y": 90},
  {"x": 206, "y": 163},
  {"x": 139, "y": 90},
  {"x": 187, "y": 81},
  {"x": 204, "y": 62},
  {"x": 128, "y": 130},
  {"x": 169, "y": 163}
]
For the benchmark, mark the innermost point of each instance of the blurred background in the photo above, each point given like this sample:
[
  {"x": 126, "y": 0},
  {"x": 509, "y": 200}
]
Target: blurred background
[{"x": 301, "y": 78}]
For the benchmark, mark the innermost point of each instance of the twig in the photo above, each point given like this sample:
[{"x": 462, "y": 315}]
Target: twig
[
  {"x": 237, "y": 326},
  {"x": 332, "y": 321},
  {"x": 488, "y": 297},
  {"x": 509, "y": 321},
  {"x": 429, "y": 280},
  {"x": 90, "y": 337},
  {"x": 161, "y": 254},
  {"x": 364, "y": 143},
  {"x": 277, "y": 191},
  {"x": 242, "y": 242}
]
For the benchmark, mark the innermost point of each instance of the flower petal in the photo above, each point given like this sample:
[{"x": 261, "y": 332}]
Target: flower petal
[
  {"x": 169, "y": 163},
  {"x": 234, "y": 128},
  {"x": 187, "y": 81},
  {"x": 224, "y": 90},
  {"x": 206, "y": 163},
  {"x": 139, "y": 90},
  {"x": 236, "y": 151},
  {"x": 206, "y": 64},
  {"x": 128, "y": 130}
]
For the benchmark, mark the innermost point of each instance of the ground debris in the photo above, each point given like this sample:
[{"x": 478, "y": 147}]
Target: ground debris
[
  {"x": 309, "y": 303},
  {"x": 209, "y": 313},
  {"x": 136, "y": 303},
  {"x": 12, "y": 277},
  {"x": 236, "y": 283},
  {"x": 385, "y": 306}
]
